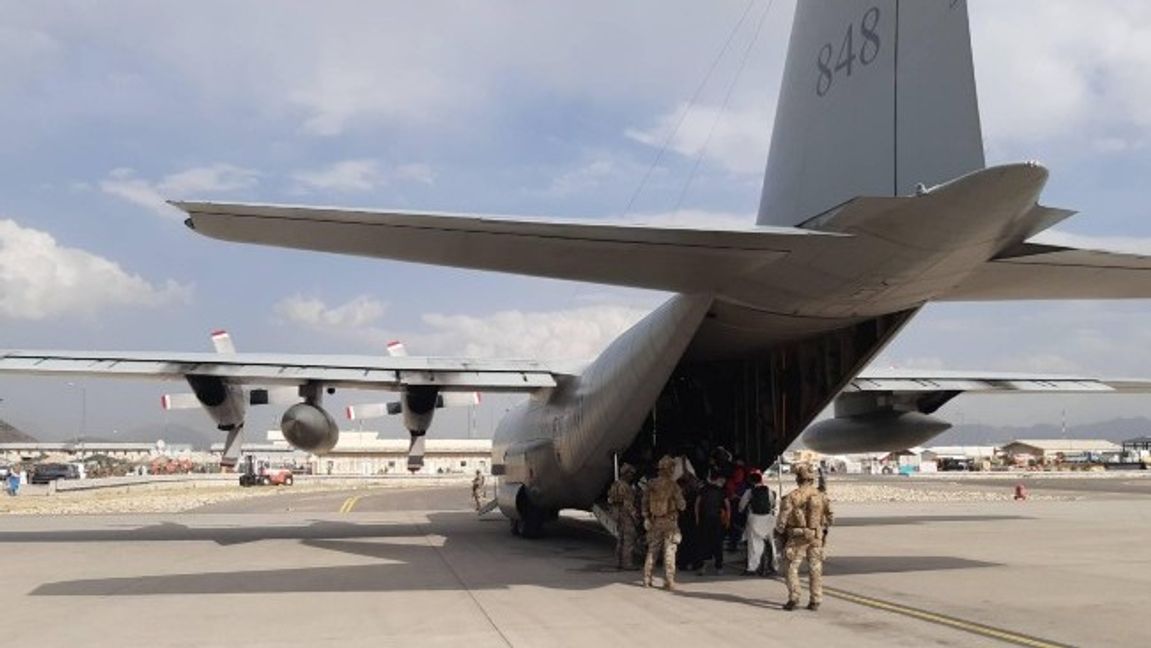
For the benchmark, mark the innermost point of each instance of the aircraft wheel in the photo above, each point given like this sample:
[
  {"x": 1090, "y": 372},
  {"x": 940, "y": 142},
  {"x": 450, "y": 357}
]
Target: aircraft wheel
[{"x": 532, "y": 528}]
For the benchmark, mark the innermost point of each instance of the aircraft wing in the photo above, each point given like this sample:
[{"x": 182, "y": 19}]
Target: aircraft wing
[
  {"x": 677, "y": 259},
  {"x": 1034, "y": 271},
  {"x": 929, "y": 390},
  {"x": 350, "y": 372}
]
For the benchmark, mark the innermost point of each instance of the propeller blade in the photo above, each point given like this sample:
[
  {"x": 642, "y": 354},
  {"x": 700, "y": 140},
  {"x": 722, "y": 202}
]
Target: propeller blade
[
  {"x": 274, "y": 396},
  {"x": 231, "y": 455},
  {"x": 372, "y": 410},
  {"x": 223, "y": 343},
  {"x": 416, "y": 453},
  {"x": 459, "y": 399},
  {"x": 179, "y": 401}
]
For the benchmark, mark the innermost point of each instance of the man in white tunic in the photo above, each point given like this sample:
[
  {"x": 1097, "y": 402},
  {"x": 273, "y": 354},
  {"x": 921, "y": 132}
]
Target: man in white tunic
[{"x": 759, "y": 503}]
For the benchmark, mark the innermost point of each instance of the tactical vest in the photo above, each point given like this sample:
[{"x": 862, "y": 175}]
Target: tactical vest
[{"x": 660, "y": 499}]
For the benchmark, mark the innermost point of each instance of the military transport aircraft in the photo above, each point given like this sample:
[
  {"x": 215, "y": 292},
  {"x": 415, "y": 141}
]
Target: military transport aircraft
[{"x": 876, "y": 201}]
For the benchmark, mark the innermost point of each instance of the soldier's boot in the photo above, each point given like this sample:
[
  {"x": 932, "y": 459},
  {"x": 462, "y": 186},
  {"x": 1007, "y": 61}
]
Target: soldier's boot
[
  {"x": 790, "y": 605},
  {"x": 670, "y": 586},
  {"x": 813, "y": 606}
]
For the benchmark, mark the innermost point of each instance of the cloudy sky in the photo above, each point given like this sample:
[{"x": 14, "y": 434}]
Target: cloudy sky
[{"x": 543, "y": 109}]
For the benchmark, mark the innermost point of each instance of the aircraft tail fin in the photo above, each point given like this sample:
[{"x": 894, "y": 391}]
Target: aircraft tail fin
[{"x": 877, "y": 97}]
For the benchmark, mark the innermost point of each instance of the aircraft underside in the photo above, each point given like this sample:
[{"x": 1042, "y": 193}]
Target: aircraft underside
[{"x": 558, "y": 451}]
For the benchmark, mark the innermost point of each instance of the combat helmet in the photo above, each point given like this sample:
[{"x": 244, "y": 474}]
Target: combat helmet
[{"x": 804, "y": 474}]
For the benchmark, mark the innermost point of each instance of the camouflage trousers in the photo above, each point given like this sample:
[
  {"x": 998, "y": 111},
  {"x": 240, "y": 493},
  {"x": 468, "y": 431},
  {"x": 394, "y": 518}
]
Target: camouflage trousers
[
  {"x": 476, "y": 497},
  {"x": 798, "y": 549},
  {"x": 662, "y": 535},
  {"x": 625, "y": 541}
]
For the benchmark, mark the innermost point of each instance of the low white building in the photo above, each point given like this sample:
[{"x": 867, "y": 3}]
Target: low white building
[
  {"x": 34, "y": 451},
  {"x": 365, "y": 453}
]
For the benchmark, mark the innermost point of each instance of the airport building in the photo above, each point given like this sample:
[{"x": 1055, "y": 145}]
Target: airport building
[
  {"x": 1138, "y": 447},
  {"x": 1047, "y": 450},
  {"x": 37, "y": 451},
  {"x": 365, "y": 453}
]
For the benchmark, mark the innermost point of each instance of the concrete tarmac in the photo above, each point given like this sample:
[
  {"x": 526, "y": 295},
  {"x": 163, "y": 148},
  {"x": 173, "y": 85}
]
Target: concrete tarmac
[{"x": 416, "y": 568}]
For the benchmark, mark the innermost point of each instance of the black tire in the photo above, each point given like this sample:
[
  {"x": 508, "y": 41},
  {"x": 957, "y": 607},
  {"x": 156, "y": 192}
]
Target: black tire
[
  {"x": 266, "y": 480},
  {"x": 244, "y": 481},
  {"x": 532, "y": 527},
  {"x": 288, "y": 480}
]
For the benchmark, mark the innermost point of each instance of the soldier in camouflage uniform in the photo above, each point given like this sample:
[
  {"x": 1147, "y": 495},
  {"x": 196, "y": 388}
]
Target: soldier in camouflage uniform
[
  {"x": 662, "y": 502},
  {"x": 621, "y": 499},
  {"x": 804, "y": 516},
  {"x": 478, "y": 489}
]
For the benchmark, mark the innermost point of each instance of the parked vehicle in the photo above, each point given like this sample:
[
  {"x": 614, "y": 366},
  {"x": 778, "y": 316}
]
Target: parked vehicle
[
  {"x": 47, "y": 473},
  {"x": 259, "y": 473}
]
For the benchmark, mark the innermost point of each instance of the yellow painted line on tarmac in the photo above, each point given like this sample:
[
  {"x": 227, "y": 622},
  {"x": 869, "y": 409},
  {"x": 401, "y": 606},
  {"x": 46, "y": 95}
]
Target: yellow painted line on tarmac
[
  {"x": 944, "y": 620},
  {"x": 350, "y": 504}
]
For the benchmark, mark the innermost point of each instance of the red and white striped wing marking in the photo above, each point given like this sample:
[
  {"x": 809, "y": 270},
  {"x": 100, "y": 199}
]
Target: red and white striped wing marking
[{"x": 223, "y": 342}]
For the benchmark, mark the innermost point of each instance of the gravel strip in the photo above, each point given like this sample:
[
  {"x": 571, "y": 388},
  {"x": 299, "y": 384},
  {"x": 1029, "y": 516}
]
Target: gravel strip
[{"x": 862, "y": 493}]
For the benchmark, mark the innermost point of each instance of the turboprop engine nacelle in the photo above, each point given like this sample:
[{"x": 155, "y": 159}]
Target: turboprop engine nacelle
[
  {"x": 878, "y": 432},
  {"x": 310, "y": 428},
  {"x": 225, "y": 403},
  {"x": 419, "y": 407}
]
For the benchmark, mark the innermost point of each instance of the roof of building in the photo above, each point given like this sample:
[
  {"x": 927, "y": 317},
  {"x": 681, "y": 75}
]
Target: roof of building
[
  {"x": 1142, "y": 439},
  {"x": 963, "y": 451},
  {"x": 1066, "y": 445}
]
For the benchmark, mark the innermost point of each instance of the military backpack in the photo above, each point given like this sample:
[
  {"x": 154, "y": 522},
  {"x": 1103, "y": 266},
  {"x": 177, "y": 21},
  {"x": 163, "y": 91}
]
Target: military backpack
[{"x": 762, "y": 501}]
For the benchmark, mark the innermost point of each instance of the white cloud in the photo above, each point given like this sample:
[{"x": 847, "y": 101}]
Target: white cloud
[
  {"x": 735, "y": 139},
  {"x": 357, "y": 317},
  {"x": 41, "y": 279},
  {"x": 123, "y": 184},
  {"x": 575, "y": 333},
  {"x": 220, "y": 178},
  {"x": 415, "y": 172},
  {"x": 584, "y": 178},
  {"x": 349, "y": 175},
  {"x": 1127, "y": 244},
  {"x": 216, "y": 178},
  {"x": 1064, "y": 70},
  {"x": 361, "y": 175}
]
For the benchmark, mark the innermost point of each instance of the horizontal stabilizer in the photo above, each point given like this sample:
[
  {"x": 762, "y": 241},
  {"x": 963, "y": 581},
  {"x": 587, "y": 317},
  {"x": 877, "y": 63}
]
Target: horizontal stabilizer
[
  {"x": 681, "y": 259},
  {"x": 1034, "y": 271}
]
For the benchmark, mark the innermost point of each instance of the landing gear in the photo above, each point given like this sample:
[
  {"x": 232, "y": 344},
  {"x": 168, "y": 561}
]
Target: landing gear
[
  {"x": 531, "y": 519},
  {"x": 531, "y": 527}
]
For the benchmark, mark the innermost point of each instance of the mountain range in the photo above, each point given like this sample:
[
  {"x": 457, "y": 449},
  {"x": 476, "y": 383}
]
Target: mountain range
[
  {"x": 9, "y": 434},
  {"x": 1115, "y": 430}
]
